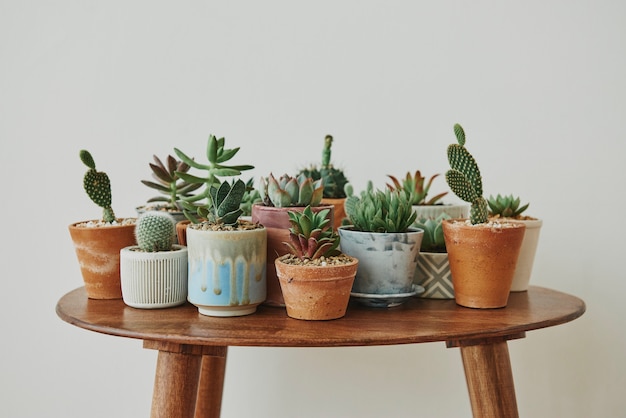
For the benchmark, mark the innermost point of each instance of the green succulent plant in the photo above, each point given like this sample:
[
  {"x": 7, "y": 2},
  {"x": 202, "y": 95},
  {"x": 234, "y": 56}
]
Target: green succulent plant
[
  {"x": 196, "y": 207},
  {"x": 168, "y": 183},
  {"x": 98, "y": 186},
  {"x": 417, "y": 187},
  {"x": 311, "y": 236},
  {"x": 464, "y": 178},
  {"x": 506, "y": 206},
  {"x": 155, "y": 231},
  {"x": 380, "y": 211},
  {"x": 225, "y": 207},
  {"x": 432, "y": 240},
  {"x": 333, "y": 179},
  {"x": 291, "y": 191},
  {"x": 250, "y": 197}
]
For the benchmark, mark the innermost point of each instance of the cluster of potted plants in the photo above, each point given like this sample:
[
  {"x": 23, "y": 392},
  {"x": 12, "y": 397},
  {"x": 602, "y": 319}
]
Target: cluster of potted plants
[{"x": 306, "y": 242}]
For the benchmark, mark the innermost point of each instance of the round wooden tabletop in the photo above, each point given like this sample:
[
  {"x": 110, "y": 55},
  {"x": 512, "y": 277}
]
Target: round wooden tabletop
[{"x": 416, "y": 321}]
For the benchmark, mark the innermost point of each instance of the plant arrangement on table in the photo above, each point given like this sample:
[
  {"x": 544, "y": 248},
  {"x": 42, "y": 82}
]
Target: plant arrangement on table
[
  {"x": 426, "y": 207},
  {"x": 333, "y": 179},
  {"x": 171, "y": 188},
  {"x": 381, "y": 237},
  {"x": 280, "y": 196},
  {"x": 508, "y": 207},
  {"x": 227, "y": 254},
  {"x": 98, "y": 242},
  {"x": 482, "y": 253},
  {"x": 154, "y": 272},
  {"x": 315, "y": 277},
  {"x": 433, "y": 269}
]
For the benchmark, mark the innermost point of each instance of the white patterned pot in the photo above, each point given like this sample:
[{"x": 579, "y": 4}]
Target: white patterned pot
[
  {"x": 433, "y": 274},
  {"x": 153, "y": 280},
  {"x": 523, "y": 270}
]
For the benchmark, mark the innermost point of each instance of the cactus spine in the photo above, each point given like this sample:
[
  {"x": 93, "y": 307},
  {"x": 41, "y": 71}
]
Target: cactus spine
[
  {"x": 464, "y": 178},
  {"x": 155, "y": 231},
  {"x": 98, "y": 186}
]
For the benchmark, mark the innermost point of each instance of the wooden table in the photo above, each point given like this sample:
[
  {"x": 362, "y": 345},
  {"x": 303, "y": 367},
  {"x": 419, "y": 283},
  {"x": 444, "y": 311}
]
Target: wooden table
[{"x": 192, "y": 348}]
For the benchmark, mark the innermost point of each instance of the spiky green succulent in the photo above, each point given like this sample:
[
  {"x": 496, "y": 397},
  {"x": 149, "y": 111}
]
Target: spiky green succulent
[
  {"x": 464, "y": 178},
  {"x": 291, "y": 191},
  {"x": 505, "y": 206},
  {"x": 225, "y": 207},
  {"x": 334, "y": 179},
  {"x": 194, "y": 207},
  {"x": 380, "y": 211},
  {"x": 98, "y": 186},
  {"x": 311, "y": 235},
  {"x": 416, "y": 185},
  {"x": 432, "y": 240},
  {"x": 155, "y": 231},
  {"x": 168, "y": 183}
]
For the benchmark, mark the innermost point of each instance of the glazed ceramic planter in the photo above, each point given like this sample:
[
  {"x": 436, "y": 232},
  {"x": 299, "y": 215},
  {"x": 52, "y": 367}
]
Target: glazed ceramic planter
[
  {"x": 524, "y": 268},
  {"x": 227, "y": 270},
  {"x": 387, "y": 261},
  {"x": 453, "y": 210},
  {"x": 482, "y": 260},
  {"x": 316, "y": 292},
  {"x": 276, "y": 222},
  {"x": 152, "y": 280},
  {"x": 98, "y": 253},
  {"x": 433, "y": 274}
]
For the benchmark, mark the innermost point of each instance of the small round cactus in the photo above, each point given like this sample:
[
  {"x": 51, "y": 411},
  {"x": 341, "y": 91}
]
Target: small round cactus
[{"x": 155, "y": 231}]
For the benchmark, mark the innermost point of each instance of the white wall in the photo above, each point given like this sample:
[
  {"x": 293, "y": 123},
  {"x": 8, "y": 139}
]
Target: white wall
[{"x": 539, "y": 87}]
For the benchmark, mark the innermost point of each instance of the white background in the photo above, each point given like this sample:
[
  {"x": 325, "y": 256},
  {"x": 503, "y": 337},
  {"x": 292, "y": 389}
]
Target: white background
[{"x": 539, "y": 87}]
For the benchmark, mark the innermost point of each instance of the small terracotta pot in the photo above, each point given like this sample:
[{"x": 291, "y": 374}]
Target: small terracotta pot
[
  {"x": 276, "y": 221},
  {"x": 340, "y": 211},
  {"x": 316, "y": 292},
  {"x": 181, "y": 231},
  {"x": 482, "y": 261},
  {"x": 98, "y": 253}
]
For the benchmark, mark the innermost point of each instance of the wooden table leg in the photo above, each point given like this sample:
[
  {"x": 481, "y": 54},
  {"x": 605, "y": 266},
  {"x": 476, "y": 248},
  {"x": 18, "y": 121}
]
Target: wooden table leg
[
  {"x": 177, "y": 380},
  {"x": 489, "y": 377},
  {"x": 211, "y": 386}
]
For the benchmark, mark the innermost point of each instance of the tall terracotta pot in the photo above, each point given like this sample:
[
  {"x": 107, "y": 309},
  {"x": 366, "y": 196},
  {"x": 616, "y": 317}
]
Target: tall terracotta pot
[
  {"x": 482, "y": 261},
  {"x": 316, "y": 292},
  {"x": 98, "y": 253},
  {"x": 276, "y": 221}
]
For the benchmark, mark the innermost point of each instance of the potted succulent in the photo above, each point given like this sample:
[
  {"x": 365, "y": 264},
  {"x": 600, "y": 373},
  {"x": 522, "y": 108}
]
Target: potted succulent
[
  {"x": 433, "y": 269},
  {"x": 387, "y": 246},
  {"x": 227, "y": 256},
  {"x": 98, "y": 242},
  {"x": 334, "y": 181},
  {"x": 196, "y": 206},
  {"x": 172, "y": 189},
  {"x": 482, "y": 253},
  {"x": 278, "y": 197},
  {"x": 429, "y": 208},
  {"x": 508, "y": 207},
  {"x": 315, "y": 277},
  {"x": 154, "y": 272}
]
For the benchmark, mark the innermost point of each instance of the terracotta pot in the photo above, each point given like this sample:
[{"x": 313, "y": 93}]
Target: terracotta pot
[
  {"x": 340, "y": 211},
  {"x": 181, "y": 231},
  {"x": 98, "y": 252},
  {"x": 482, "y": 261},
  {"x": 316, "y": 292},
  {"x": 276, "y": 221}
]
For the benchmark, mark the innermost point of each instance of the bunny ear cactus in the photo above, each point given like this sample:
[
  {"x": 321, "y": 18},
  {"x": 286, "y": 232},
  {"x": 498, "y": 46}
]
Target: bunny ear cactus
[
  {"x": 311, "y": 236},
  {"x": 155, "y": 231},
  {"x": 464, "y": 178},
  {"x": 291, "y": 191},
  {"x": 98, "y": 186}
]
